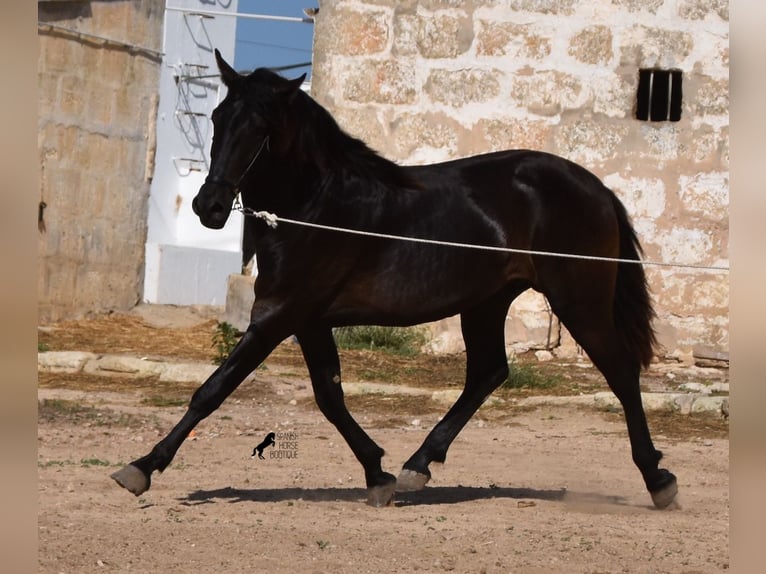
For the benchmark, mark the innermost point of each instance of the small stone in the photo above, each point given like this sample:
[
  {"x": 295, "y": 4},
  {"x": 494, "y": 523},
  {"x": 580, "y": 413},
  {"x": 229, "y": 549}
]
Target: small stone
[{"x": 543, "y": 356}]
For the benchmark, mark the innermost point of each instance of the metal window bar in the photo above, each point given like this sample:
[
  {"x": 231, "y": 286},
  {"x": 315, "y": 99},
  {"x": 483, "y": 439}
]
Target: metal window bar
[{"x": 659, "y": 95}]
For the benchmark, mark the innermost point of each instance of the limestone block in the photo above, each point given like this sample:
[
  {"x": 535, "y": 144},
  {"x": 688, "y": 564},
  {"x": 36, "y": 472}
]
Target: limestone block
[
  {"x": 365, "y": 124},
  {"x": 683, "y": 244},
  {"x": 435, "y": 130},
  {"x": 517, "y": 41},
  {"x": 563, "y": 7},
  {"x": 512, "y": 133},
  {"x": 461, "y": 87},
  {"x": 119, "y": 365},
  {"x": 444, "y": 36},
  {"x": 661, "y": 141},
  {"x": 588, "y": 142},
  {"x": 406, "y": 28},
  {"x": 706, "y": 194},
  {"x": 546, "y": 93},
  {"x": 186, "y": 372},
  {"x": 380, "y": 81},
  {"x": 708, "y": 404},
  {"x": 711, "y": 98},
  {"x": 63, "y": 361},
  {"x": 645, "y": 47},
  {"x": 353, "y": 32},
  {"x": 592, "y": 45},
  {"x": 700, "y": 9},
  {"x": 530, "y": 323},
  {"x": 650, "y": 6},
  {"x": 642, "y": 197}
]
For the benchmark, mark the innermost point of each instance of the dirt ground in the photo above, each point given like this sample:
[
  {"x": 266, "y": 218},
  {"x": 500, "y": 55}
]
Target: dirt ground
[{"x": 524, "y": 490}]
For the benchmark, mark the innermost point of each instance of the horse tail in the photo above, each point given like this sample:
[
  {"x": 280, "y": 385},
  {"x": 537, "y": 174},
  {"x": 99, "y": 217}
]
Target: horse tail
[{"x": 633, "y": 310}]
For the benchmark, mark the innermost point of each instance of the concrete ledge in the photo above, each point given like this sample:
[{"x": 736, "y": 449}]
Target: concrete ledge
[
  {"x": 122, "y": 366},
  {"x": 63, "y": 361},
  {"x": 684, "y": 403}
]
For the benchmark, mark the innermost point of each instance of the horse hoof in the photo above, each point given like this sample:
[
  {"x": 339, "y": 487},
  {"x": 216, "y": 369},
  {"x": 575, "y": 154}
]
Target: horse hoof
[
  {"x": 410, "y": 480},
  {"x": 132, "y": 478},
  {"x": 664, "y": 497},
  {"x": 382, "y": 495}
]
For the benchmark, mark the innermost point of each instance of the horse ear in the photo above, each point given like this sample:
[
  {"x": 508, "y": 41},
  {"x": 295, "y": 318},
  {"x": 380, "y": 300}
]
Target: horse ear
[
  {"x": 229, "y": 75},
  {"x": 292, "y": 87}
]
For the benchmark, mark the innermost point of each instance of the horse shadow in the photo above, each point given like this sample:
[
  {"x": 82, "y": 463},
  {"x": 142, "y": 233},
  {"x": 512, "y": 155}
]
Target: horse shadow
[{"x": 433, "y": 495}]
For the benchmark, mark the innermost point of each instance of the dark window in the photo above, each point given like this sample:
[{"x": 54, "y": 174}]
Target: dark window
[{"x": 659, "y": 95}]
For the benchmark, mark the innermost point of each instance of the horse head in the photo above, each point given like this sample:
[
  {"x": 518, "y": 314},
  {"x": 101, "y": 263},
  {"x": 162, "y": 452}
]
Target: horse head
[{"x": 245, "y": 126}]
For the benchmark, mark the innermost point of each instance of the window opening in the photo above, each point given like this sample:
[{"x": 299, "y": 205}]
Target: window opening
[{"x": 659, "y": 95}]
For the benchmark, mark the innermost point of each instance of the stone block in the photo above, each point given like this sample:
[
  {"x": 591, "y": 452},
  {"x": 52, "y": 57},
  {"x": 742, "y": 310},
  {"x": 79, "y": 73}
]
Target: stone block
[
  {"x": 706, "y": 194},
  {"x": 516, "y": 41},
  {"x": 708, "y": 404},
  {"x": 445, "y": 337},
  {"x": 124, "y": 366},
  {"x": 530, "y": 323},
  {"x": 380, "y": 81},
  {"x": 63, "y": 361},
  {"x": 546, "y": 93},
  {"x": 436, "y": 130},
  {"x": 700, "y": 9},
  {"x": 405, "y": 41},
  {"x": 588, "y": 142},
  {"x": 443, "y": 36},
  {"x": 563, "y": 7},
  {"x": 711, "y": 97},
  {"x": 650, "y": 6},
  {"x": 355, "y": 33},
  {"x": 240, "y": 296},
  {"x": 186, "y": 372},
  {"x": 461, "y": 87},
  {"x": 642, "y": 197},
  {"x": 512, "y": 133},
  {"x": 364, "y": 123},
  {"x": 592, "y": 45},
  {"x": 645, "y": 47}
]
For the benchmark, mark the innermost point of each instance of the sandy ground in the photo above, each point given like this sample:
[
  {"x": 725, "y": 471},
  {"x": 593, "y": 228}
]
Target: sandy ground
[
  {"x": 524, "y": 490},
  {"x": 550, "y": 490}
]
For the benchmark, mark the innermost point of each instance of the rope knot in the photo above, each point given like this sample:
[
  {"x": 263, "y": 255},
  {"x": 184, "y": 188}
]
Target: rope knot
[{"x": 271, "y": 219}]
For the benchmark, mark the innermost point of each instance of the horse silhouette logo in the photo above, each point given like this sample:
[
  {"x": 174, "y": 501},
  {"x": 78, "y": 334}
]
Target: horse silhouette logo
[{"x": 268, "y": 441}]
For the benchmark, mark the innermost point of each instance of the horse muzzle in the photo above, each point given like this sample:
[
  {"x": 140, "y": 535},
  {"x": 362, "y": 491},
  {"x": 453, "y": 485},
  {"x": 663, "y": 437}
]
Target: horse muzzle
[{"x": 212, "y": 205}]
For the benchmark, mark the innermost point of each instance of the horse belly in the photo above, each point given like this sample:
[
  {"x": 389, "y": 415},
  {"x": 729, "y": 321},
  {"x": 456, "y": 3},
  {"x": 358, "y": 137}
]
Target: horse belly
[{"x": 416, "y": 289}]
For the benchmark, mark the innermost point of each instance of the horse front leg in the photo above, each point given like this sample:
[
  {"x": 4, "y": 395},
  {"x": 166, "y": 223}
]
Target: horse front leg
[
  {"x": 322, "y": 360},
  {"x": 254, "y": 346}
]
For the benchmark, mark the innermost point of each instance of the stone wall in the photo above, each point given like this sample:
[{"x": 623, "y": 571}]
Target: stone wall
[
  {"x": 98, "y": 70},
  {"x": 423, "y": 81}
]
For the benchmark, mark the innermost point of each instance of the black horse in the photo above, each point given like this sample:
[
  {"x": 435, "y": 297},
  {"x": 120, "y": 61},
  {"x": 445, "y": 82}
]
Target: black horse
[
  {"x": 286, "y": 155},
  {"x": 266, "y": 442}
]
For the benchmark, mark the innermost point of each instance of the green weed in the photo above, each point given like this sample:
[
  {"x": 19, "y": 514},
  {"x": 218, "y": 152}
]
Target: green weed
[
  {"x": 525, "y": 376},
  {"x": 405, "y": 341},
  {"x": 225, "y": 339}
]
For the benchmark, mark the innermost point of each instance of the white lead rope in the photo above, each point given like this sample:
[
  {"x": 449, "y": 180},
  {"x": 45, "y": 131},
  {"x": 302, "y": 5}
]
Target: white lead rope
[{"x": 272, "y": 220}]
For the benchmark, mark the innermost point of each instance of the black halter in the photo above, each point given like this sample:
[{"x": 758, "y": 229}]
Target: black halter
[{"x": 234, "y": 187}]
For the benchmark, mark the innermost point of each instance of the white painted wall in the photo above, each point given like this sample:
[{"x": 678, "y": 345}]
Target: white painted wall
[{"x": 187, "y": 263}]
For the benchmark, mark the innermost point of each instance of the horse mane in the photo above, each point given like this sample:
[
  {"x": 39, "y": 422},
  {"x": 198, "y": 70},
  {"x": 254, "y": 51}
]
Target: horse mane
[{"x": 319, "y": 140}]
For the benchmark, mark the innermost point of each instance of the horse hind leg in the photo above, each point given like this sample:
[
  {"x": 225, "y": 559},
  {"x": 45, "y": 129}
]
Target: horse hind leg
[
  {"x": 593, "y": 328},
  {"x": 486, "y": 369}
]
